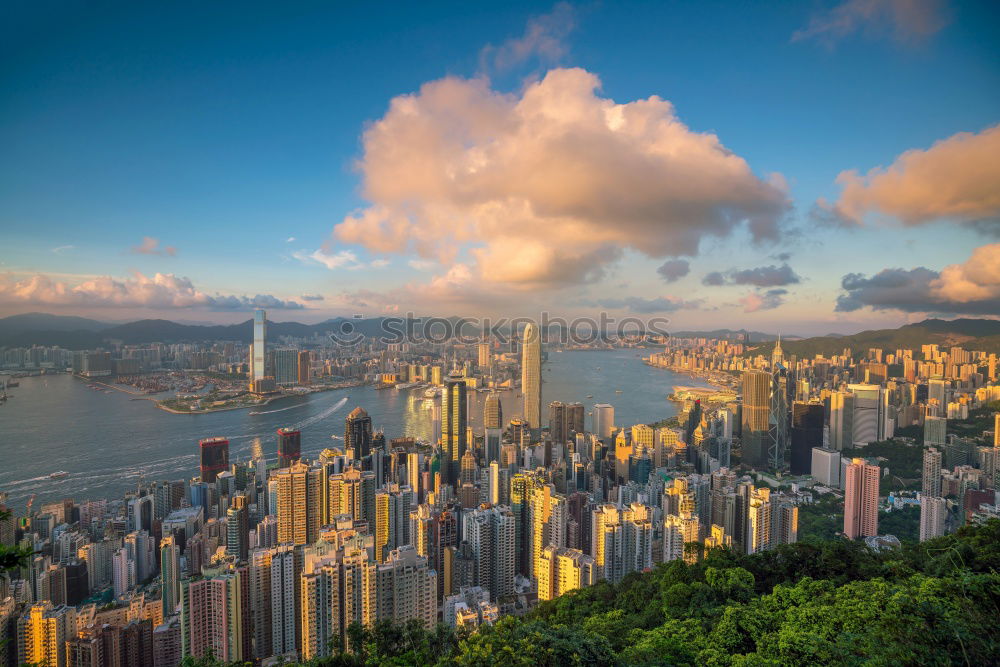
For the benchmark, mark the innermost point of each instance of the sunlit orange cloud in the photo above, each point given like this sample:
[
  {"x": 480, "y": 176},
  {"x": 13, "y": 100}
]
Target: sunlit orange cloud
[
  {"x": 957, "y": 178},
  {"x": 548, "y": 187}
]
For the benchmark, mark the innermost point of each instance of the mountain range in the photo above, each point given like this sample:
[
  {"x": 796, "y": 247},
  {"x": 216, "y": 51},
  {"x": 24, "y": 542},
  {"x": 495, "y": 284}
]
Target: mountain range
[
  {"x": 79, "y": 333},
  {"x": 971, "y": 334}
]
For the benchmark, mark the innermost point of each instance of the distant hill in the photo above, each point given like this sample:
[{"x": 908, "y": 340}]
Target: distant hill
[
  {"x": 47, "y": 322},
  {"x": 78, "y": 333},
  {"x": 732, "y": 334},
  {"x": 971, "y": 334}
]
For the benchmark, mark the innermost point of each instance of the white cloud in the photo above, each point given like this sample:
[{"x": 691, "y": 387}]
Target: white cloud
[
  {"x": 343, "y": 259},
  {"x": 290, "y": 239},
  {"x": 548, "y": 187},
  {"x": 162, "y": 290},
  {"x": 422, "y": 264},
  {"x": 62, "y": 248}
]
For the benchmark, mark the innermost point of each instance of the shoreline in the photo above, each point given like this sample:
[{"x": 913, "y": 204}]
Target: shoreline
[
  {"x": 692, "y": 374},
  {"x": 144, "y": 395},
  {"x": 267, "y": 401}
]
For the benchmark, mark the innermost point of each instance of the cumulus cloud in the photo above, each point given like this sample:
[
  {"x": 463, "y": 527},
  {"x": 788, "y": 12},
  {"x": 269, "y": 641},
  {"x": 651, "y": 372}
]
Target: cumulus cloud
[
  {"x": 907, "y": 20},
  {"x": 547, "y": 187},
  {"x": 768, "y": 300},
  {"x": 970, "y": 288},
  {"x": 957, "y": 178},
  {"x": 674, "y": 269},
  {"x": 151, "y": 246},
  {"x": 762, "y": 276},
  {"x": 660, "y": 304},
  {"x": 162, "y": 290},
  {"x": 544, "y": 38}
]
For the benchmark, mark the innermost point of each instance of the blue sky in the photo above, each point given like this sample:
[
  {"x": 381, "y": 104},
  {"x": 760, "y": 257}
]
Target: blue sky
[{"x": 222, "y": 131}]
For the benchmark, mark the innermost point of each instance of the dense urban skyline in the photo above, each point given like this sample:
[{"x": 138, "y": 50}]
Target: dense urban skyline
[
  {"x": 464, "y": 334},
  {"x": 839, "y": 178}
]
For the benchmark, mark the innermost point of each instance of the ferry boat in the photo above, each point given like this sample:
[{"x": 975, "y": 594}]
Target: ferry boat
[{"x": 59, "y": 474}]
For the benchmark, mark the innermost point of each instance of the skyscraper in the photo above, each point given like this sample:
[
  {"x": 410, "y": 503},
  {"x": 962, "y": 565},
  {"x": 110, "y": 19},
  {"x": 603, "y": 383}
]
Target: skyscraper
[
  {"x": 258, "y": 362},
  {"x": 305, "y": 367},
  {"x": 557, "y": 421},
  {"x": 807, "y": 432},
  {"x": 756, "y": 414},
  {"x": 406, "y": 588},
  {"x": 604, "y": 421},
  {"x": 561, "y": 569},
  {"x": 678, "y": 530},
  {"x": 841, "y": 420},
  {"x": 778, "y": 436},
  {"x": 215, "y": 615},
  {"x": 531, "y": 375},
  {"x": 485, "y": 356},
  {"x": 493, "y": 411},
  {"x": 935, "y": 430},
  {"x": 930, "y": 482},
  {"x": 867, "y": 419},
  {"x": 392, "y": 519},
  {"x": 289, "y": 447},
  {"x": 489, "y": 531},
  {"x": 299, "y": 503},
  {"x": 170, "y": 574},
  {"x": 286, "y": 366},
  {"x": 454, "y": 428},
  {"x": 352, "y": 492},
  {"x": 214, "y": 457},
  {"x": 933, "y": 511},
  {"x": 861, "y": 499},
  {"x": 358, "y": 433},
  {"x": 238, "y": 528},
  {"x": 42, "y": 633}
]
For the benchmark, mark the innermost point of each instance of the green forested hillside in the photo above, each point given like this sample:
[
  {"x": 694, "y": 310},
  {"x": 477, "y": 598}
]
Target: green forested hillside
[{"x": 828, "y": 603}]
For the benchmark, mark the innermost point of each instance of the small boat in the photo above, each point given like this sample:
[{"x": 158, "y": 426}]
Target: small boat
[
  {"x": 336, "y": 437},
  {"x": 590, "y": 395},
  {"x": 59, "y": 474},
  {"x": 618, "y": 391}
]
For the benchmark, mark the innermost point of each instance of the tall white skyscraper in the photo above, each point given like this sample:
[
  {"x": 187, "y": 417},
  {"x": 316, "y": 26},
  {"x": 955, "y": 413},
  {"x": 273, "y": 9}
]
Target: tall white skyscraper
[
  {"x": 531, "y": 375},
  {"x": 258, "y": 363}
]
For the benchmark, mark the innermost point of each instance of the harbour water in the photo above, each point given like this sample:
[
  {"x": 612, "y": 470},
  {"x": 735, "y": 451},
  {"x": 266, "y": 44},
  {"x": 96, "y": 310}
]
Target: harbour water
[{"x": 109, "y": 442}]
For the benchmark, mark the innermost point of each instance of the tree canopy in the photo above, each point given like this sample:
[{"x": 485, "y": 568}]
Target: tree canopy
[{"x": 831, "y": 602}]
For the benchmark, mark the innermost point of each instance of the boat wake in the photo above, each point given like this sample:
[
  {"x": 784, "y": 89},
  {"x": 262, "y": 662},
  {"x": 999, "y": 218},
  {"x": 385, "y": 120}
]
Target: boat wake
[
  {"x": 315, "y": 419},
  {"x": 270, "y": 412}
]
